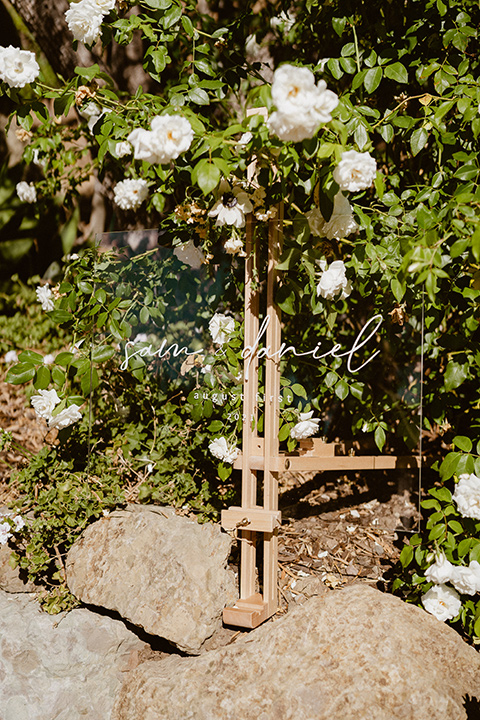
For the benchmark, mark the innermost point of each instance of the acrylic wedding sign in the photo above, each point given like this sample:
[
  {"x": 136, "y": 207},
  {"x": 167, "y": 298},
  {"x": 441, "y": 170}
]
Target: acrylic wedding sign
[{"x": 283, "y": 365}]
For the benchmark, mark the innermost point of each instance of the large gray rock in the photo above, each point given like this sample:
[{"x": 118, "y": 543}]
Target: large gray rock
[
  {"x": 62, "y": 667},
  {"x": 164, "y": 573},
  {"x": 11, "y": 579},
  {"x": 354, "y": 654}
]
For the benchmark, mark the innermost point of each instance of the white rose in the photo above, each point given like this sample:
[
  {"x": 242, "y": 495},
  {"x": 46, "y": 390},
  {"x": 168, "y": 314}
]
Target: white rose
[
  {"x": 142, "y": 143},
  {"x": 104, "y": 5},
  {"x": 130, "y": 194},
  {"x": 37, "y": 160},
  {"x": 292, "y": 127},
  {"x": 172, "y": 135},
  {"x": 221, "y": 327},
  {"x": 84, "y": 20},
  {"x": 222, "y": 450},
  {"x": 355, "y": 171},
  {"x": 17, "y": 67},
  {"x": 301, "y": 105},
  {"x": 19, "y": 522},
  {"x": 5, "y": 532},
  {"x": 467, "y": 496},
  {"x": 294, "y": 90},
  {"x": 65, "y": 417},
  {"x": 232, "y": 206},
  {"x": 474, "y": 568},
  {"x": 90, "y": 110},
  {"x": 442, "y": 602},
  {"x": 333, "y": 282},
  {"x": 44, "y": 296},
  {"x": 26, "y": 192},
  {"x": 441, "y": 571},
  {"x": 341, "y": 223},
  {"x": 465, "y": 579},
  {"x": 306, "y": 426},
  {"x": 122, "y": 149},
  {"x": 169, "y": 137},
  {"x": 284, "y": 21},
  {"x": 325, "y": 102},
  {"x": 45, "y": 402},
  {"x": 190, "y": 254},
  {"x": 10, "y": 357}
]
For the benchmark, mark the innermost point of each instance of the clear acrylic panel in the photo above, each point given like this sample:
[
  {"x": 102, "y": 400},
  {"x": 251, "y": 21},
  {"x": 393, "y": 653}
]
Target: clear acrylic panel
[{"x": 359, "y": 372}]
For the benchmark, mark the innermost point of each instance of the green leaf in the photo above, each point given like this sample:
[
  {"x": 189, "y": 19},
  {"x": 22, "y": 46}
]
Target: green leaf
[
  {"x": 463, "y": 443},
  {"x": 102, "y": 353},
  {"x": 455, "y": 526},
  {"x": 380, "y": 437},
  {"x": 60, "y": 316},
  {"x": 284, "y": 432},
  {"x": 299, "y": 390},
  {"x": 372, "y": 79},
  {"x": 361, "y": 136},
  {"x": 289, "y": 259},
  {"x": 455, "y": 375},
  {"x": 330, "y": 379},
  {"x": 20, "y": 373},
  {"x": 64, "y": 358},
  {"x": 188, "y": 25},
  {"x": 406, "y": 556},
  {"x": 475, "y": 552},
  {"x": 437, "y": 532},
  {"x": 398, "y": 289},
  {"x": 158, "y": 4},
  {"x": 224, "y": 471},
  {"x": 387, "y": 132},
  {"x": 207, "y": 176},
  {"x": 338, "y": 25},
  {"x": 476, "y": 244},
  {"x": 172, "y": 17},
  {"x": 430, "y": 504},
  {"x": 30, "y": 356},
  {"x": 58, "y": 376},
  {"x": 155, "y": 61},
  {"x": 341, "y": 389},
  {"x": 198, "y": 96},
  {"x": 418, "y": 140},
  {"x": 334, "y": 66},
  {"x": 85, "y": 287},
  {"x": 285, "y": 300},
  {"x": 476, "y": 627},
  {"x": 42, "y": 378},
  {"x": 397, "y": 72}
]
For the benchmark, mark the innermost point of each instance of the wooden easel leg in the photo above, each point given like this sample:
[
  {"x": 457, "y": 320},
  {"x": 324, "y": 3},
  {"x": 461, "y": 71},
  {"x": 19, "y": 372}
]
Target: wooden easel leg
[
  {"x": 248, "y": 563},
  {"x": 272, "y": 415}
]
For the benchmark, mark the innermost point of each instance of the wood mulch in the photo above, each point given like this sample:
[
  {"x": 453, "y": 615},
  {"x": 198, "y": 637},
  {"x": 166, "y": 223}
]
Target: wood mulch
[{"x": 19, "y": 419}]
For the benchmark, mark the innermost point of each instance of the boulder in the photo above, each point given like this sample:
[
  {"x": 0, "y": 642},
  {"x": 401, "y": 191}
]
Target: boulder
[
  {"x": 62, "y": 667},
  {"x": 12, "y": 579},
  {"x": 353, "y": 654},
  {"x": 162, "y": 572}
]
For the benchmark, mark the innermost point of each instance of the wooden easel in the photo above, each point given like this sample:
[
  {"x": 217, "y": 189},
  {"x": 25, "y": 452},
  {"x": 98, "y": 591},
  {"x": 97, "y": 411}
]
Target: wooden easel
[{"x": 252, "y": 519}]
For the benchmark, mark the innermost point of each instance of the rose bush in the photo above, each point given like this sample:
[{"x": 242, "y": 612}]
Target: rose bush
[{"x": 378, "y": 179}]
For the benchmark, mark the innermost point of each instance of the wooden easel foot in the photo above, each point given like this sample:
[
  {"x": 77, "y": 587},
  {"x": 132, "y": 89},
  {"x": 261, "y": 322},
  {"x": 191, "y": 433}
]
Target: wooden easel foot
[{"x": 247, "y": 613}]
